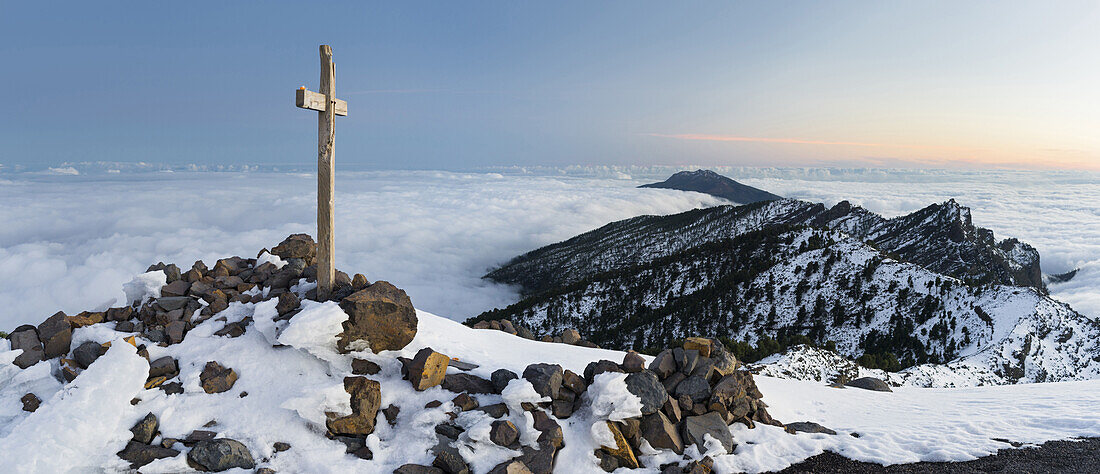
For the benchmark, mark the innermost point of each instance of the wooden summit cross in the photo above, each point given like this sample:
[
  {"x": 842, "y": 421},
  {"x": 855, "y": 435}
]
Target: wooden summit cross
[{"x": 328, "y": 107}]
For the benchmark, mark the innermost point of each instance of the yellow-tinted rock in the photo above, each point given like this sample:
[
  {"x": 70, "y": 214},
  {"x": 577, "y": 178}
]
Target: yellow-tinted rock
[
  {"x": 622, "y": 450},
  {"x": 86, "y": 319},
  {"x": 427, "y": 369},
  {"x": 155, "y": 382},
  {"x": 698, "y": 343}
]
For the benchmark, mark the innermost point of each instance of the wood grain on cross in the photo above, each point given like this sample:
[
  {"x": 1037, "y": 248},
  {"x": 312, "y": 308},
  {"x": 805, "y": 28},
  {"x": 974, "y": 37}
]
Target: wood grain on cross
[{"x": 326, "y": 104}]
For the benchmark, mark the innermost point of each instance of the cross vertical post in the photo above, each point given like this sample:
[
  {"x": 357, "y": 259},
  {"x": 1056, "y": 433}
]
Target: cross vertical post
[{"x": 328, "y": 107}]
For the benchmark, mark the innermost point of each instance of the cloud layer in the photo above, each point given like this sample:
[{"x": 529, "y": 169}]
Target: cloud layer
[{"x": 70, "y": 242}]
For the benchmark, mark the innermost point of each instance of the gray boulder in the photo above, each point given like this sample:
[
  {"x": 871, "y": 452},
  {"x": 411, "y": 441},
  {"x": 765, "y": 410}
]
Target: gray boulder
[
  {"x": 25, "y": 337},
  {"x": 546, "y": 378},
  {"x": 696, "y": 427},
  {"x": 221, "y": 454},
  {"x": 647, "y": 387},
  {"x": 870, "y": 383},
  {"x": 696, "y": 388}
]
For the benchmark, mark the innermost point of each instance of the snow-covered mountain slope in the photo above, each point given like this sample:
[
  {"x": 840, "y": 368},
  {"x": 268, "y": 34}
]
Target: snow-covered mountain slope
[
  {"x": 80, "y": 425},
  {"x": 819, "y": 282},
  {"x": 940, "y": 237}
]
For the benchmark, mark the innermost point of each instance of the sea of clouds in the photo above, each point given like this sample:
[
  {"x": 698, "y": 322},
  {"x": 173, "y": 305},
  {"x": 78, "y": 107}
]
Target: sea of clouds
[{"x": 69, "y": 240}]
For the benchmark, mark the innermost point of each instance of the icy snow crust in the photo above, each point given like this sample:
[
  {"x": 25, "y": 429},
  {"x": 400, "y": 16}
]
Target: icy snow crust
[{"x": 82, "y": 424}]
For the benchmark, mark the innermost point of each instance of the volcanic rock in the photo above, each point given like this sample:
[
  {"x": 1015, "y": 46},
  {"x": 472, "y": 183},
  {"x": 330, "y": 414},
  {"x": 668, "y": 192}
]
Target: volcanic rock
[
  {"x": 146, "y": 429},
  {"x": 648, "y": 388},
  {"x": 870, "y": 383},
  {"x": 380, "y": 317},
  {"x": 695, "y": 427},
  {"x": 216, "y": 379},
  {"x": 661, "y": 433},
  {"x": 56, "y": 335},
  {"x": 221, "y": 454},
  {"x": 468, "y": 383},
  {"x": 503, "y": 433},
  {"x": 25, "y": 337},
  {"x": 546, "y": 378}
]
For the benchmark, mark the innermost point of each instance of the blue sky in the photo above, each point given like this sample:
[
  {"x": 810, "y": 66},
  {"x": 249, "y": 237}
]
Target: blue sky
[{"x": 459, "y": 85}]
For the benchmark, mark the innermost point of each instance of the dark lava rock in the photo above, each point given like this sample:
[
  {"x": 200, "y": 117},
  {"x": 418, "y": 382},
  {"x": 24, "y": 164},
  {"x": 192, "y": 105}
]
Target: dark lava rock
[
  {"x": 391, "y": 413},
  {"x": 220, "y": 455},
  {"x": 216, "y": 379},
  {"x": 686, "y": 359},
  {"x": 364, "y": 367},
  {"x": 664, "y": 364},
  {"x": 695, "y": 388},
  {"x": 287, "y": 302},
  {"x": 807, "y": 427},
  {"x": 496, "y": 410},
  {"x": 465, "y": 402},
  {"x": 31, "y": 402},
  {"x": 449, "y": 430},
  {"x": 141, "y": 454},
  {"x": 648, "y": 388},
  {"x": 598, "y": 367},
  {"x": 546, "y": 378},
  {"x": 468, "y": 383},
  {"x": 26, "y": 337},
  {"x": 366, "y": 396},
  {"x": 661, "y": 433},
  {"x": 633, "y": 362},
  {"x": 172, "y": 388},
  {"x": 165, "y": 366},
  {"x": 146, "y": 429},
  {"x": 281, "y": 446},
  {"x": 503, "y": 433},
  {"x": 511, "y": 466},
  {"x": 380, "y": 317},
  {"x": 56, "y": 335},
  {"x": 695, "y": 427},
  {"x": 297, "y": 246},
  {"x": 870, "y": 383},
  {"x": 501, "y": 377}
]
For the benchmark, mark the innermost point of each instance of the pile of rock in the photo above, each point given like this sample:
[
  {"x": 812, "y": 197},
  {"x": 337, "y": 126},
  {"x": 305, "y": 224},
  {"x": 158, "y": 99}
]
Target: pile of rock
[
  {"x": 687, "y": 393},
  {"x": 567, "y": 336}
]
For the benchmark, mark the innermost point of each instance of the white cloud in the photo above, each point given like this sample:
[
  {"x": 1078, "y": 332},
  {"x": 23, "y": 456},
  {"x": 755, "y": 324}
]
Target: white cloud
[{"x": 70, "y": 242}]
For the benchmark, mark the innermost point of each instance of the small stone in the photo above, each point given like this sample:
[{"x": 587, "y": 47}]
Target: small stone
[
  {"x": 433, "y": 404},
  {"x": 87, "y": 352},
  {"x": 26, "y": 338},
  {"x": 570, "y": 336},
  {"x": 549, "y": 429},
  {"x": 175, "y": 331},
  {"x": 700, "y": 344},
  {"x": 176, "y": 288},
  {"x": 366, "y": 396},
  {"x": 427, "y": 369},
  {"x": 56, "y": 335},
  {"x": 648, "y": 388},
  {"x": 220, "y": 455},
  {"x": 391, "y": 413},
  {"x": 198, "y": 435},
  {"x": 451, "y": 462},
  {"x": 31, "y": 402},
  {"x": 728, "y": 390},
  {"x": 462, "y": 365},
  {"x": 216, "y": 379},
  {"x": 173, "y": 388},
  {"x": 146, "y": 429},
  {"x": 598, "y": 367},
  {"x": 695, "y": 388},
  {"x": 359, "y": 281},
  {"x": 449, "y": 430},
  {"x": 364, "y": 367},
  {"x": 465, "y": 402},
  {"x": 501, "y": 377},
  {"x": 807, "y": 427},
  {"x": 287, "y": 302},
  {"x": 512, "y": 466},
  {"x": 633, "y": 363},
  {"x": 281, "y": 446},
  {"x": 497, "y": 410},
  {"x": 468, "y": 383},
  {"x": 696, "y": 427},
  {"x": 686, "y": 360},
  {"x": 546, "y": 378},
  {"x": 503, "y": 433},
  {"x": 138, "y": 454},
  {"x": 562, "y": 408},
  {"x": 661, "y": 433},
  {"x": 86, "y": 318},
  {"x": 870, "y": 383},
  {"x": 165, "y": 366},
  {"x": 622, "y": 450},
  {"x": 120, "y": 314},
  {"x": 573, "y": 382}
]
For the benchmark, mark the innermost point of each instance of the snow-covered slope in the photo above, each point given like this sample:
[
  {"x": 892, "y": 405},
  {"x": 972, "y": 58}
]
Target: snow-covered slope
[
  {"x": 653, "y": 280},
  {"x": 80, "y": 425}
]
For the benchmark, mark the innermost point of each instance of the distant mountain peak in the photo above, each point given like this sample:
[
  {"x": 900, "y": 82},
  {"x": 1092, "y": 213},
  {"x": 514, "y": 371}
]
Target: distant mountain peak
[{"x": 710, "y": 182}]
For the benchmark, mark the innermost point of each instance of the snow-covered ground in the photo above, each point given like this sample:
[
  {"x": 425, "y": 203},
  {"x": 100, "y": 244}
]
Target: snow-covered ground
[{"x": 83, "y": 424}]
